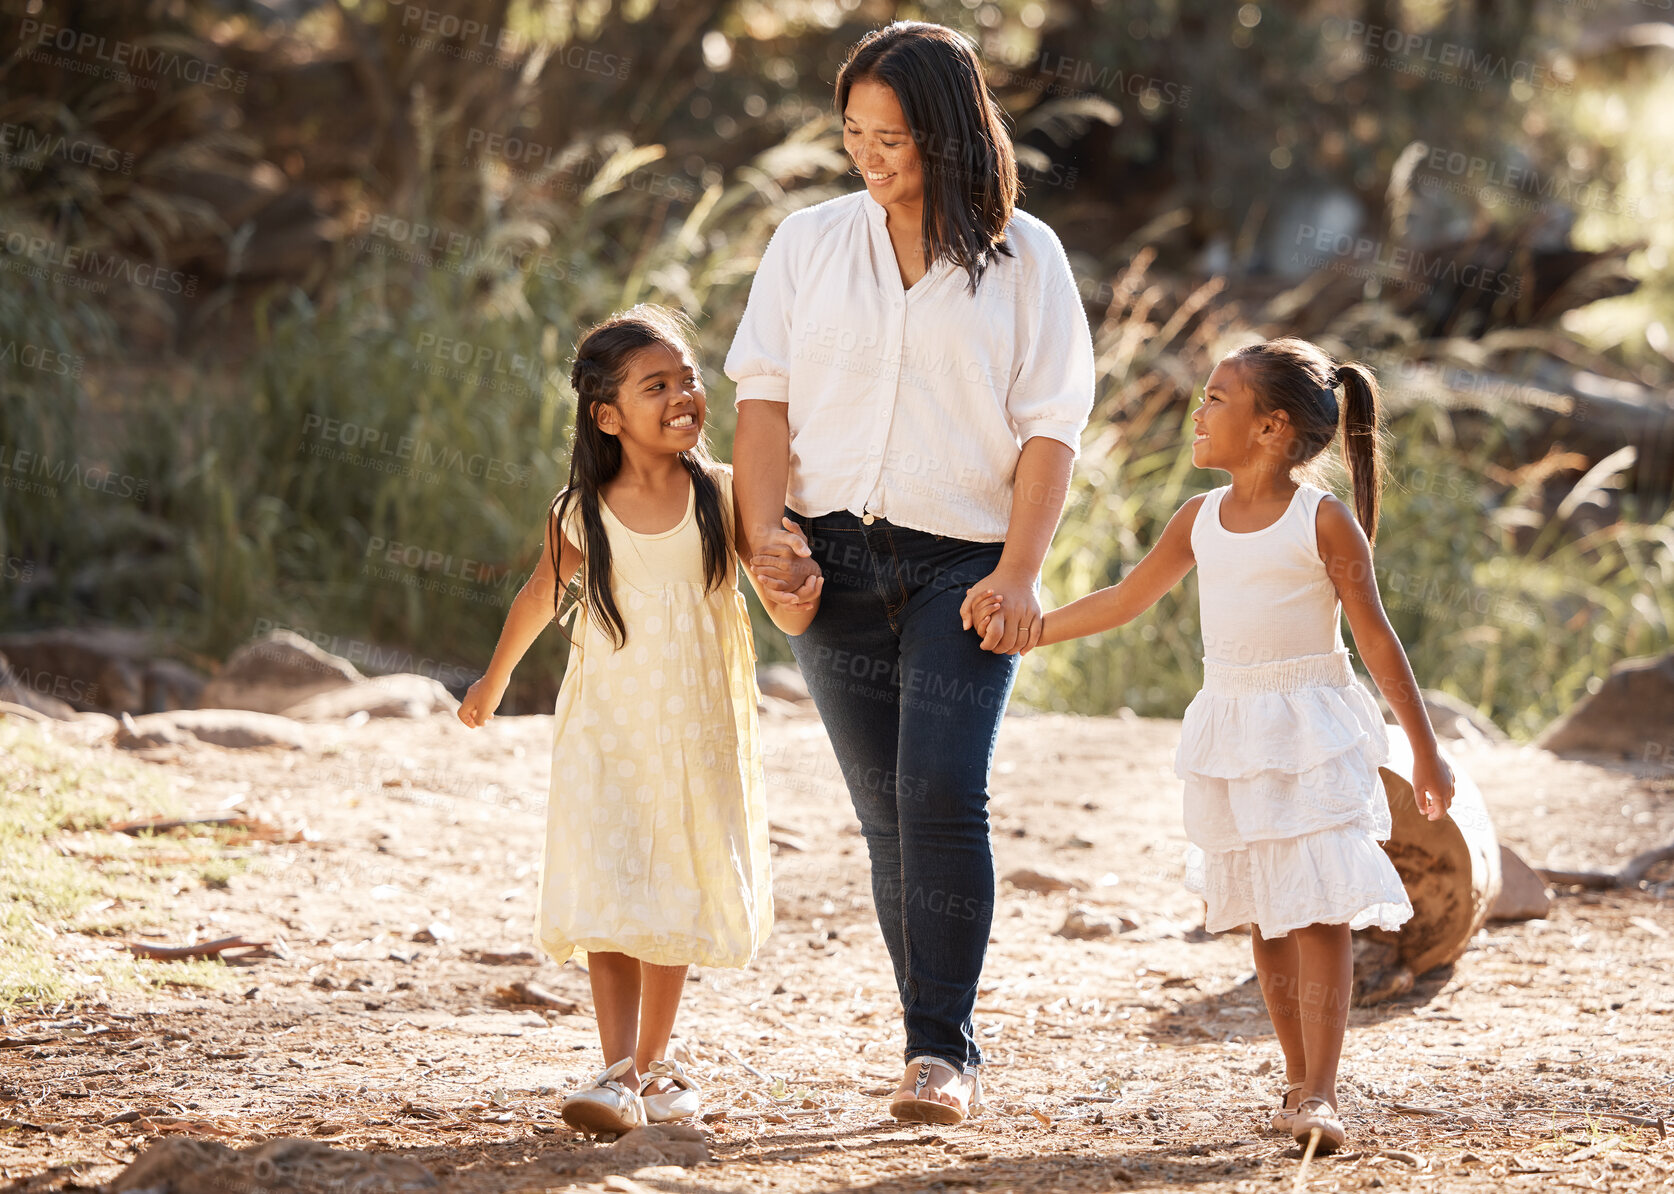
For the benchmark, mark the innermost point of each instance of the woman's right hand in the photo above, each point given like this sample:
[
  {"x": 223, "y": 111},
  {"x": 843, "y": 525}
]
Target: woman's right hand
[
  {"x": 481, "y": 699},
  {"x": 783, "y": 564}
]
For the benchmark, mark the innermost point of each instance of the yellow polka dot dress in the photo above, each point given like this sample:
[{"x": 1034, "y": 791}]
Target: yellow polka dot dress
[{"x": 656, "y": 840}]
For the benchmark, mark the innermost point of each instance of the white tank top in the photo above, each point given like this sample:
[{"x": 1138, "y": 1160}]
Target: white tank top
[{"x": 1264, "y": 595}]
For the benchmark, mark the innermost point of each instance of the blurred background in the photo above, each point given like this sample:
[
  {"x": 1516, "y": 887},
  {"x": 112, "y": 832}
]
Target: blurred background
[{"x": 290, "y": 290}]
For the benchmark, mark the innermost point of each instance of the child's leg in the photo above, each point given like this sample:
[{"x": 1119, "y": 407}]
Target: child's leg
[
  {"x": 615, "y": 979},
  {"x": 1275, "y": 963},
  {"x": 1325, "y": 966},
  {"x": 659, "y": 1001}
]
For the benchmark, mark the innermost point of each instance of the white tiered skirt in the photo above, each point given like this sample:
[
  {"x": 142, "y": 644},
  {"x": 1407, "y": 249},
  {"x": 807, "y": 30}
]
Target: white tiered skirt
[{"x": 1283, "y": 802}]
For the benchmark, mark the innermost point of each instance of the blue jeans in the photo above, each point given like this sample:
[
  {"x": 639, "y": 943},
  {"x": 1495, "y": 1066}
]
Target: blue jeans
[{"x": 912, "y": 704}]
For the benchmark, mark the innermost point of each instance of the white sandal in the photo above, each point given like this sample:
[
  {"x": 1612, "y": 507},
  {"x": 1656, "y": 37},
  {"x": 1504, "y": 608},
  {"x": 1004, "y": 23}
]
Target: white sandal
[
  {"x": 917, "y": 1109},
  {"x": 682, "y": 1102},
  {"x": 1282, "y": 1117},
  {"x": 1325, "y": 1121},
  {"x": 607, "y": 1105}
]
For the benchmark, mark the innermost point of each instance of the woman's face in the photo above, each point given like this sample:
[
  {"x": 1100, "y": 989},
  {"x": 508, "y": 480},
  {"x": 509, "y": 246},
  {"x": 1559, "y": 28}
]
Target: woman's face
[{"x": 876, "y": 136}]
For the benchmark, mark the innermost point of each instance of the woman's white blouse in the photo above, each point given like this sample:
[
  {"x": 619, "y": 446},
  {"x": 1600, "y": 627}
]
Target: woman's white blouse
[{"x": 912, "y": 404}]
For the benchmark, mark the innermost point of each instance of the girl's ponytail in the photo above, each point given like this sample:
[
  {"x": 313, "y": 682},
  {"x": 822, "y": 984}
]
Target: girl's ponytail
[{"x": 1362, "y": 451}]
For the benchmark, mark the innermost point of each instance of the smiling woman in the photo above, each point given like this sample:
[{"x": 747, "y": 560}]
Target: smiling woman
[{"x": 914, "y": 370}]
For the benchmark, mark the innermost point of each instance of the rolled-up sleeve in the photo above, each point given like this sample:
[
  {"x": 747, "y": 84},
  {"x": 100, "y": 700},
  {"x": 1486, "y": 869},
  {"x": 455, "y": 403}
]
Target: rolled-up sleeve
[
  {"x": 759, "y": 360},
  {"x": 1052, "y": 393}
]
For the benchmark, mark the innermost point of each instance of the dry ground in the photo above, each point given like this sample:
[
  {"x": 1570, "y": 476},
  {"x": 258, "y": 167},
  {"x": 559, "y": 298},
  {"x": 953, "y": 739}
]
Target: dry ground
[{"x": 1142, "y": 1061}]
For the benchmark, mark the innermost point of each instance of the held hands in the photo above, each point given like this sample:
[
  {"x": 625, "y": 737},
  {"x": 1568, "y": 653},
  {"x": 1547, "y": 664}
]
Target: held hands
[
  {"x": 1005, "y": 611},
  {"x": 1432, "y": 783},
  {"x": 481, "y": 699},
  {"x": 784, "y": 567}
]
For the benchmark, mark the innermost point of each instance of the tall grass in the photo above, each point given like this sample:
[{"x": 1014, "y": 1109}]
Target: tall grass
[{"x": 375, "y": 471}]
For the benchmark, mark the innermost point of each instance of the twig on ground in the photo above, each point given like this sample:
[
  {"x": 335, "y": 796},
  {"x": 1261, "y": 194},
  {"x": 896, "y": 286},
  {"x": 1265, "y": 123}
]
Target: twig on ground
[
  {"x": 164, "y": 824},
  {"x": 202, "y": 949},
  {"x": 752, "y": 1069},
  {"x": 1307, "y": 1158},
  {"x": 1631, "y": 874},
  {"x": 533, "y": 994},
  {"x": 1638, "y": 1121}
]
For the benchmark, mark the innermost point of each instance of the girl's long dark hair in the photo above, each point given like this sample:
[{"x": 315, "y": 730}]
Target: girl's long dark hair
[
  {"x": 970, "y": 168},
  {"x": 601, "y": 366},
  {"x": 1301, "y": 379}
]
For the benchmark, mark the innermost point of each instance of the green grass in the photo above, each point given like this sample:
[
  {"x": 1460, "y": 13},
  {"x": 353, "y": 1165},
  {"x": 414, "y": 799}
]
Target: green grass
[{"x": 61, "y": 873}]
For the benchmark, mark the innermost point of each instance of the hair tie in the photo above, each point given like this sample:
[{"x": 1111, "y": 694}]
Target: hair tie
[{"x": 1336, "y": 378}]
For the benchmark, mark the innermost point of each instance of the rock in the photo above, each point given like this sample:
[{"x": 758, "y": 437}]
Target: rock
[
  {"x": 403, "y": 694},
  {"x": 661, "y": 1144},
  {"x": 1523, "y": 893},
  {"x": 301, "y": 1166},
  {"x": 776, "y": 707},
  {"x": 14, "y": 691},
  {"x": 782, "y": 680},
  {"x": 1453, "y": 718},
  {"x": 1040, "y": 881},
  {"x": 1631, "y": 716},
  {"x": 170, "y": 684},
  {"x": 98, "y": 669},
  {"x": 277, "y": 671},
  {"x": 235, "y": 728},
  {"x": 1083, "y": 925}
]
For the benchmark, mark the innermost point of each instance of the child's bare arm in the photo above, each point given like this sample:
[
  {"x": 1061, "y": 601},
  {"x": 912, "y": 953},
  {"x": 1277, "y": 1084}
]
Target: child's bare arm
[
  {"x": 1163, "y": 567},
  {"x": 1348, "y": 562},
  {"x": 530, "y": 613},
  {"x": 792, "y": 619}
]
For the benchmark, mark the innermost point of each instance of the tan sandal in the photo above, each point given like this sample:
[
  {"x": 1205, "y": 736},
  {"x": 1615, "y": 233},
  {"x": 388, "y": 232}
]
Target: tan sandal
[
  {"x": 1324, "y": 1121},
  {"x": 1282, "y": 1117},
  {"x": 915, "y": 1108}
]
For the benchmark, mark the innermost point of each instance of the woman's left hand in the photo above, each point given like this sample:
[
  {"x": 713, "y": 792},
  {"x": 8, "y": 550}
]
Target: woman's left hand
[{"x": 1017, "y": 625}]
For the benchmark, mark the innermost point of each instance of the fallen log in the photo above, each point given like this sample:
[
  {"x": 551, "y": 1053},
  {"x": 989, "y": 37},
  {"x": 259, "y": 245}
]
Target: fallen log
[{"x": 1451, "y": 870}]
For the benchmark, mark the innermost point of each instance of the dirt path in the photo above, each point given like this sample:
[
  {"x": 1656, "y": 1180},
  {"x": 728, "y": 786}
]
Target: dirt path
[{"x": 1142, "y": 1061}]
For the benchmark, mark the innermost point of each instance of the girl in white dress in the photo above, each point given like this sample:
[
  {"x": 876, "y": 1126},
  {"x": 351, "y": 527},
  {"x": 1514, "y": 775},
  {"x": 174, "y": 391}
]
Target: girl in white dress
[
  {"x": 1280, "y": 750},
  {"x": 657, "y": 854}
]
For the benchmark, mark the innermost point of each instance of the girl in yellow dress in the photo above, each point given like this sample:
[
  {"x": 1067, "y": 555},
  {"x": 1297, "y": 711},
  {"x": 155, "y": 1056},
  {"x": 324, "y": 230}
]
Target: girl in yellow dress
[{"x": 656, "y": 850}]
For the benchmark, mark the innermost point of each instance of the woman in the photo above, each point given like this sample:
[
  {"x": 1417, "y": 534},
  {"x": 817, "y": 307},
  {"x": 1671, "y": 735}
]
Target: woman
[{"x": 914, "y": 370}]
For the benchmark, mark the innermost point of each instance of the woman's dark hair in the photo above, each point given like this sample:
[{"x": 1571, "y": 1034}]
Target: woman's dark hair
[
  {"x": 1300, "y": 379},
  {"x": 970, "y": 169},
  {"x": 600, "y": 368}
]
